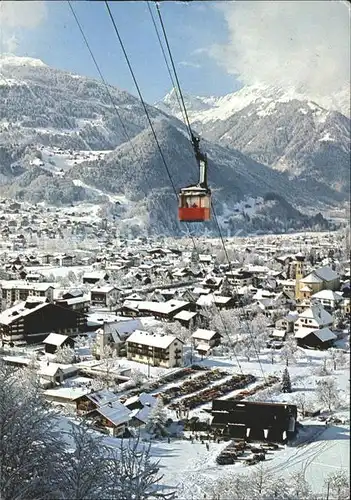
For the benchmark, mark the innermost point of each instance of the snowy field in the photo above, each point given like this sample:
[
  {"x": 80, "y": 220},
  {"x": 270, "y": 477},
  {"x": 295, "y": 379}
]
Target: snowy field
[{"x": 190, "y": 468}]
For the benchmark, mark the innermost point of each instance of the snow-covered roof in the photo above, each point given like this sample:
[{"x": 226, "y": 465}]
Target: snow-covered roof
[
  {"x": 115, "y": 412},
  {"x": 327, "y": 295},
  {"x": 18, "y": 311},
  {"x": 95, "y": 275},
  {"x": 69, "y": 393},
  {"x": 75, "y": 300},
  {"x": 326, "y": 273},
  {"x": 161, "y": 341},
  {"x": 319, "y": 314},
  {"x": 185, "y": 315},
  {"x": 55, "y": 339},
  {"x": 311, "y": 278},
  {"x": 292, "y": 316},
  {"x": 203, "y": 334},
  {"x": 221, "y": 299},
  {"x": 203, "y": 347},
  {"x": 103, "y": 289},
  {"x": 201, "y": 291},
  {"x": 205, "y": 300},
  {"x": 102, "y": 397},
  {"x": 305, "y": 288},
  {"x": 23, "y": 285},
  {"x": 141, "y": 414},
  {"x": 156, "y": 307},
  {"x": 280, "y": 334},
  {"x": 49, "y": 370},
  {"x": 323, "y": 334}
]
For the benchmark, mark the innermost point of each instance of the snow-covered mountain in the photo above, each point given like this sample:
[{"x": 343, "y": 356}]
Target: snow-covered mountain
[
  {"x": 50, "y": 119},
  {"x": 204, "y": 110},
  {"x": 281, "y": 128}
]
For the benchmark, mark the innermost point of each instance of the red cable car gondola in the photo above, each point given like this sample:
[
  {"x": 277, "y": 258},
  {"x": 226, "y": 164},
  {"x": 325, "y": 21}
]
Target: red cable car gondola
[{"x": 195, "y": 201}]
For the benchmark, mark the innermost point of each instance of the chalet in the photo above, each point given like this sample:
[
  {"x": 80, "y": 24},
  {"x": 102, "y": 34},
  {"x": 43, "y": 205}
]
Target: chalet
[
  {"x": 115, "y": 334},
  {"x": 50, "y": 375},
  {"x": 314, "y": 317},
  {"x": 104, "y": 296},
  {"x": 95, "y": 276},
  {"x": 89, "y": 402},
  {"x": 79, "y": 304},
  {"x": 187, "y": 319},
  {"x": 155, "y": 349},
  {"x": 162, "y": 310},
  {"x": 239, "y": 419},
  {"x": 212, "y": 282},
  {"x": 54, "y": 341},
  {"x": 287, "y": 323},
  {"x": 31, "y": 321},
  {"x": 140, "y": 407},
  {"x": 204, "y": 340},
  {"x": 13, "y": 291},
  {"x": 219, "y": 301},
  {"x": 320, "y": 338},
  {"x": 113, "y": 417},
  {"x": 328, "y": 299},
  {"x": 240, "y": 277},
  {"x": 346, "y": 306}
]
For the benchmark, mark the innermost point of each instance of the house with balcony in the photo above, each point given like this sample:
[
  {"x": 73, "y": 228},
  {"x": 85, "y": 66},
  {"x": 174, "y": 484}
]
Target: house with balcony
[
  {"x": 155, "y": 349},
  {"x": 104, "y": 296},
  {"x": 204, "y": 340},
  {"x": 31, "y": 321},
  {"x": 17, "y": 290},
  {"x": 328, "y": 299}
]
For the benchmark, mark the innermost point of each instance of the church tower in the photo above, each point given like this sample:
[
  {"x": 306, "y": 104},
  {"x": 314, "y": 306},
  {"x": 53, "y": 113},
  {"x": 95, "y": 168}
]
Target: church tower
[{"x": 299, "y": 269}]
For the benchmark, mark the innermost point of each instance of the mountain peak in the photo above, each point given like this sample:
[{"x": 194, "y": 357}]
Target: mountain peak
[{"x": 13, "y": 60}]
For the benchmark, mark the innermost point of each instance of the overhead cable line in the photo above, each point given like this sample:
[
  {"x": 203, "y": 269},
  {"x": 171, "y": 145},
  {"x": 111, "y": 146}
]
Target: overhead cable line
[
  {"x": 187, "y": 122},
  {"x": 191, "y": 136},
  {"x": 140, "y": 94},
  {"x": 98, "y": 70},
  {"x": 149, "y": 120},
  {"x": 166, "y": 61}
]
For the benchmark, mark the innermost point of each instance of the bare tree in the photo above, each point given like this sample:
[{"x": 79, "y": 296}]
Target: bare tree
[
  {"x": 29, "y": 443},
  {"x": 327, "y": 392},
  {"x": 289, "y": 352},
  {"x": 83, "y": 470},
  {"x": 299, "y": 487},
  {"x": 64, "y": 355},
  {"x": 337, "y": 358},
  {"x": 133, "y": 474},
  {"x": 337, "y": 485}
]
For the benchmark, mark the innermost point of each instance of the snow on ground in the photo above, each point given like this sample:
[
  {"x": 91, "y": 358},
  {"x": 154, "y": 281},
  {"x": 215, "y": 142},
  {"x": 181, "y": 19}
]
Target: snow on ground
[
  {"x": 60, "y": 271},
  {"x": 191, "y": 465},
  {"x": 318, "y": 450},
  {"x": 112, "y": 198}
]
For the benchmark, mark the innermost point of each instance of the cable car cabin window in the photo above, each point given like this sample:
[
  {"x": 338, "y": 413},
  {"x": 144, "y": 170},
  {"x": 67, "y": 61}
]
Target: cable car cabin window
[{"x": 194, "y": 207}]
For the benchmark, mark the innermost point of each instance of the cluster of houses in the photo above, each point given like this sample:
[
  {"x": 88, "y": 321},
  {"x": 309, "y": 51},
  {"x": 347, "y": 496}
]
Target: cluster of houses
[{"x": 137, "y": 300}]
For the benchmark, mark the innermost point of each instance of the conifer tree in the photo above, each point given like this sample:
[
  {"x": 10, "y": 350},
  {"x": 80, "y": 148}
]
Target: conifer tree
[{"x": 286, "y": 383}]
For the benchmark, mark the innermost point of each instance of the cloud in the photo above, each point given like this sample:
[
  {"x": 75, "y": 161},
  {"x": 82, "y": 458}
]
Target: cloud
[
  {"x": 189, "y": 64},
  {"x": 18, "y": 16},
  {"x": 288, "y": 43}
]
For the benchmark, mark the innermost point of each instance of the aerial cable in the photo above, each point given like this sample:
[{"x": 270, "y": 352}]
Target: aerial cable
[
  {"x": 98, "y": 70},
  {"x": 151, "y": 125},
  {"x": 166, "y": 62},
  {"x": 187, "y": 122},
  {"x": 140, "y": 94},
  {"x": 191, "y": 136},
  {"x": 150, "y": 122}
]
